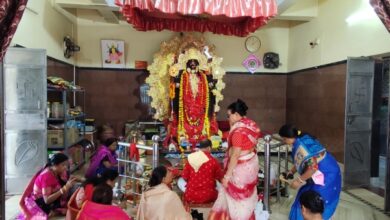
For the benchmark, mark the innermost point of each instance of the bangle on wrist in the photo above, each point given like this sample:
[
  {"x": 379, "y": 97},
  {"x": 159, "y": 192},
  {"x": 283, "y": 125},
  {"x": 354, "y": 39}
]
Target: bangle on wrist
[{"x": 61, "y": 191}]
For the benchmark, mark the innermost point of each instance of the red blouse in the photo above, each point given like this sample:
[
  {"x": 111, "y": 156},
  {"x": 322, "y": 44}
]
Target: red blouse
[
  {"x": 201, "y": 185},
  {"x": 240, "y": 140}
]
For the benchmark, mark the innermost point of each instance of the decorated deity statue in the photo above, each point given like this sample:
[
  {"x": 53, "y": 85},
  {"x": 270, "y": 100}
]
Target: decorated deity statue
[
  {"x": 192, "y": 100},
  {"x": 186, "y": 80}
]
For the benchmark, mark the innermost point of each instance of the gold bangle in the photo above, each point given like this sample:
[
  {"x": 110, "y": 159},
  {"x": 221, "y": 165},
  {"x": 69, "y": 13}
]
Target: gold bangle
[{"x": 61, "y": 191}]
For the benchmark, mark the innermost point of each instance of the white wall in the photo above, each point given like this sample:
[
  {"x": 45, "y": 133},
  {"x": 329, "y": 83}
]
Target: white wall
[
  {"x": 339, "y": 39},
  {"x": 142, "y": 45},
  {"x": 44, "y": 27}
]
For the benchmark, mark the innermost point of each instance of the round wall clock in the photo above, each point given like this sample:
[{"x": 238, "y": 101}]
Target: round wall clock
[{"x": 252, "y": 44}]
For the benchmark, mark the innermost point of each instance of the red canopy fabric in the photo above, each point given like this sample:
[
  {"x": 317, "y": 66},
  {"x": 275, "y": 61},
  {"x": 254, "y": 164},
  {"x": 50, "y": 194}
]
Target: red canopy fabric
[
  {"x": 382, "y": 9},
  {"x": 228, "y": 17}
]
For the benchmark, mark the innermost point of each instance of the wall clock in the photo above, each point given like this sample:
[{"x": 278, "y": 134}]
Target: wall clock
[{"x": 252, "y": 44}]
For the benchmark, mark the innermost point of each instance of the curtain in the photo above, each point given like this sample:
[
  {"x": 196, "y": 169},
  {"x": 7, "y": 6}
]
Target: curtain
[
  {"x": 228, "y": 17},
  {"x": 11, "y": 12},
  {"x": 382, "y": 8}
]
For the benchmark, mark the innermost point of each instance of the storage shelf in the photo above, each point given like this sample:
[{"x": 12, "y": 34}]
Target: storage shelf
[
  {"x": 70, "y": 145},
  {"x": 55, "y": 148},
  {"x": 67, "y": 146},
  {"x": 65, "y": 90},
  {"x": 67, "y": 118}
]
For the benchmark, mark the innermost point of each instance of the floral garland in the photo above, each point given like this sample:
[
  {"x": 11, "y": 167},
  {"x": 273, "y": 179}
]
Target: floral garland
[
  {"x": 204, "y": 123},
  {"x": 206, "y": 115},
  {"x": 180, "y": 127},
  {"x": 169, "y": 61}
]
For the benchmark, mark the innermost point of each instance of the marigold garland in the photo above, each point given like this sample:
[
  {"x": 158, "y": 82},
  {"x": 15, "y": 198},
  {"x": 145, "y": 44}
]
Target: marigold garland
[{"x": 168, "y": 62}]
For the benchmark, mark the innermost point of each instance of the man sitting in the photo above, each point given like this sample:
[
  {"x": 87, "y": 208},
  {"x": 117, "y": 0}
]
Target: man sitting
[{"x": 201, "y": 173}]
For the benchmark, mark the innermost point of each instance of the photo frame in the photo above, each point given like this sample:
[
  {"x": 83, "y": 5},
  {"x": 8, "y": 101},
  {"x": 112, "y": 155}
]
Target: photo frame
[{"x": 113, "y": 53}]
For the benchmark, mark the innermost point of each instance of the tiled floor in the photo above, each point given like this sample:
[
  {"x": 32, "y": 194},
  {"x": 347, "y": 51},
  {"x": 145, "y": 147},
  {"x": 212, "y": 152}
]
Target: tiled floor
[{"x": 350, "y": 208}]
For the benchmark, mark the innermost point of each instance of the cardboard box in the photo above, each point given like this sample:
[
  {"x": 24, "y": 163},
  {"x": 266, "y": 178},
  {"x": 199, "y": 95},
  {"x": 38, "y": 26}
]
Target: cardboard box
[{"x": 55, "y": 138}]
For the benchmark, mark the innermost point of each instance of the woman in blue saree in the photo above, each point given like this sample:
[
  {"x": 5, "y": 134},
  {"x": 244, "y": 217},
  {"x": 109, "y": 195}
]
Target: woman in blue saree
[{"x": 317, "y": 170}]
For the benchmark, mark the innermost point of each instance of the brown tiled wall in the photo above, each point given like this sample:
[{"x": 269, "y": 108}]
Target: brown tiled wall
[
  {"x": 112, "y": 96},
  {"x": 56, "y": 68},
  {"x": 316, "y": 104},
  {"x": 265, "y": 96},
  {"x": 59, "y": 69},
  {"x": 313, "y": 100}
]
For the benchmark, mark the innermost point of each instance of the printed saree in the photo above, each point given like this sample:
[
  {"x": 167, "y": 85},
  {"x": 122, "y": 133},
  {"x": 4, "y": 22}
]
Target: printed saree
[
  {"x": 44, "y": 183},
  {"x": 238, "y": 200},
  {"x": 305, "y": 148}
]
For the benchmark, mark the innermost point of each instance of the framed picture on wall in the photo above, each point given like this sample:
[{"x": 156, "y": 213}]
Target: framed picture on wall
[{"x": 113, "y": 53}]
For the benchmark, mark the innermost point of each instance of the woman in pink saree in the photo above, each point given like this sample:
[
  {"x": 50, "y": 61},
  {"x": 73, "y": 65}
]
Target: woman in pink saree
[
  {"x": 100, "y": 207},
  {"x": 238, "y": 197},
  {"x": 47, "y": 192},
  {"x": 104, "y": 159}
]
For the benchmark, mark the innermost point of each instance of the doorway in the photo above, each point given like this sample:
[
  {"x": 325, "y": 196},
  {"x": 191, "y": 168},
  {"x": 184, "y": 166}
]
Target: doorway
[
  {"x": 367, "y": 128},
  {"x": 380, "y": 126}
]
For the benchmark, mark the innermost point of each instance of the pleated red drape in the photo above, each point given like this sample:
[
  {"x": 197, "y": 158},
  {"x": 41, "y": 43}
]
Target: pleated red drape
[
  {"x": 228, "y": 17},
  {"x": 11, "y": 12},
  {"x": 382, "y": 9}
]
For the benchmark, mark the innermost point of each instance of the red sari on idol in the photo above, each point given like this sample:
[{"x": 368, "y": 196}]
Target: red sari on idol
[{"x": 238, "y": 200}]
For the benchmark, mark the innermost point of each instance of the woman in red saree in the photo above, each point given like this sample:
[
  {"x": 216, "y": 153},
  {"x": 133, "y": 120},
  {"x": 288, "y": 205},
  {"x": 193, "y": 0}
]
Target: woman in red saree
[
  {"x": 238, "y": 197},
  {"x": 85, "y": 192},
  {"x": 100, "y": 207},
  {"x": 47, "y": 192}
]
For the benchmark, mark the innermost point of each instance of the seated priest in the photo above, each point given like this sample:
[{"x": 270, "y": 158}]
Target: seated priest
[{"x": 200, "y": 174}]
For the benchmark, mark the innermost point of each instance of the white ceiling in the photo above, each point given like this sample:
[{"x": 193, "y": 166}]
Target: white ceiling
[{"x": 107, "y": 12}]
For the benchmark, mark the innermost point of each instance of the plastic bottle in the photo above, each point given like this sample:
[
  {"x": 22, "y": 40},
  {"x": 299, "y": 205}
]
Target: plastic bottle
[{"x": 48, "y": 110}]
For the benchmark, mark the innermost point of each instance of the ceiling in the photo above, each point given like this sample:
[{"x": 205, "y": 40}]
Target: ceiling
[{"x": 105, "y": 11}]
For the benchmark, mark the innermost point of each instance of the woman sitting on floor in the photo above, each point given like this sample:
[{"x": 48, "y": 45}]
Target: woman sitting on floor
[
  {"x": 104, "y": 159},
  {"x": 47, "y": 192},
  {"x": 159, "y": 201},
  {"x": 100, "y": 207},
  {"x": 86, "y": 190}
]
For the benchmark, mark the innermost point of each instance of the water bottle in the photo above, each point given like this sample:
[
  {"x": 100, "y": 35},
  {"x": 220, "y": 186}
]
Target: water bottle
[{"x": 48, "y": 110}]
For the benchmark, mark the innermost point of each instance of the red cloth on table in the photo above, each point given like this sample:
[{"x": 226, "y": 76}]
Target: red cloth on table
[{"x": 201, "y": 185}]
